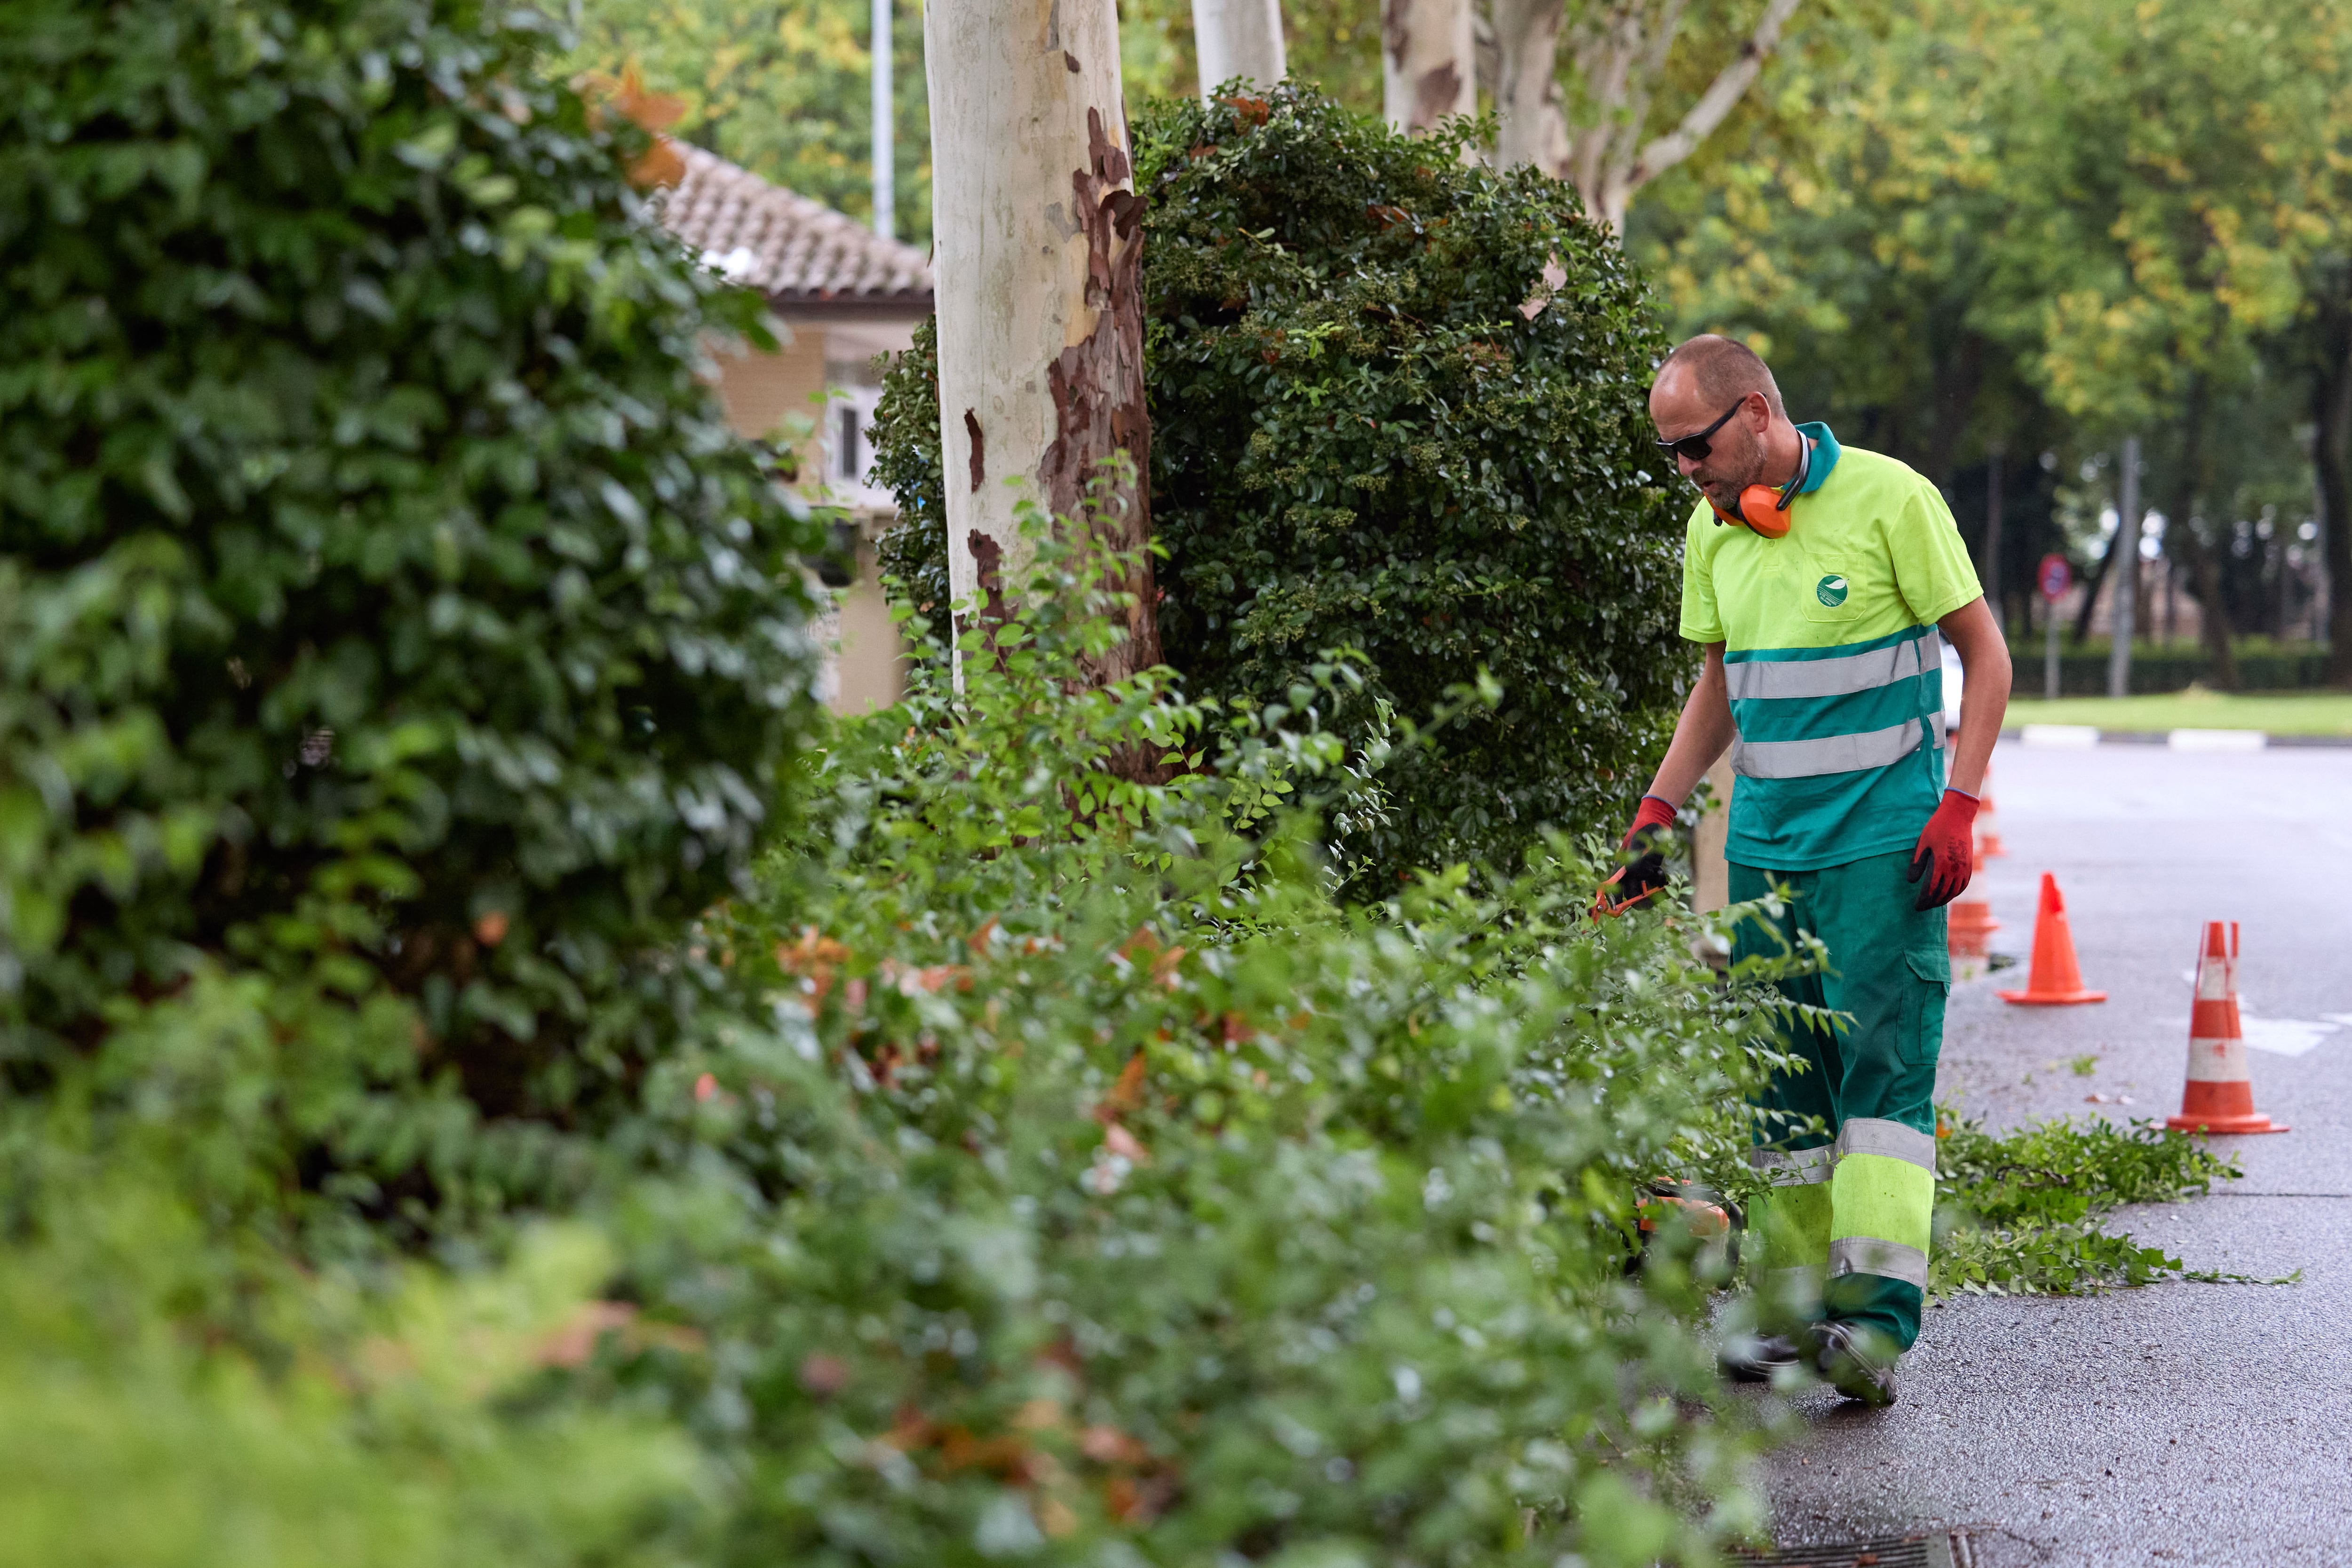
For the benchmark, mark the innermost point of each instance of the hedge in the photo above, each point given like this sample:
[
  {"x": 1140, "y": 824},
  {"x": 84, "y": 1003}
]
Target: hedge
[
  {"x": 1398, "y": 406},
  {"x": 396, "y": 646}
]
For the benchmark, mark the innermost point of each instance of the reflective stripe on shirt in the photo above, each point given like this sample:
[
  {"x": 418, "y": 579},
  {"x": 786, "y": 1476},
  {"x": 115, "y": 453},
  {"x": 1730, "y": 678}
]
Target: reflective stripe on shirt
[
  {"x": 1841, "y": 676},
  {"x": 1808, "y": 714},
  {"x": 1833, "y": 753}
]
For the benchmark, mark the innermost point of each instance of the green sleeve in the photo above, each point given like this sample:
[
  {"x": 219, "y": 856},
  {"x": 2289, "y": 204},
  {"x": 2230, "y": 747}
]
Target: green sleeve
[
  {"x": 1932, "y": 568},
  {"x": 1702, "y": 622}
]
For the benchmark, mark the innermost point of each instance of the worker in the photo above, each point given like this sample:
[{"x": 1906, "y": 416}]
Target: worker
[{"x": 1822, "y": 581}]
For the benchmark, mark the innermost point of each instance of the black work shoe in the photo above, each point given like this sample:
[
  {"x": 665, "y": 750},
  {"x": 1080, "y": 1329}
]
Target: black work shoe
[
  {"x": 1754, "y": 1358},
  {"x": 1853, "y": 1362}
]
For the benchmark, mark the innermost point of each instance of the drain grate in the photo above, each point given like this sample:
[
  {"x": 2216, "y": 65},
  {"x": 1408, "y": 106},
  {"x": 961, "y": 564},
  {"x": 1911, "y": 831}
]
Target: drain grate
[{"x": 1937, "y": 1548}]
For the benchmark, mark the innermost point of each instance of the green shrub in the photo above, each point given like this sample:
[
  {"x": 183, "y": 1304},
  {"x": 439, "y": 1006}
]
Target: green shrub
[
  {"x": 413, "y": 1422},
  {"x": 906, "y": 437},
  {"x": 384, "y": 607},
  {"x": 1361, "y": 438},
  {"x": 1083, "y": 1185},
  {"x": 1102, "y": 1192}
]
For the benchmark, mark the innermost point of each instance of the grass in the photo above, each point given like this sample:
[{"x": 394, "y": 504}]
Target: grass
[{"x": 2280, "y": 713}]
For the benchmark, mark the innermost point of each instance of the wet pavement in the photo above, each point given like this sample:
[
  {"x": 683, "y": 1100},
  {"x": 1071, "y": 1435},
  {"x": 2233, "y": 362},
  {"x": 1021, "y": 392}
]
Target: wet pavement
[{"x": 2183, "y": 1423}]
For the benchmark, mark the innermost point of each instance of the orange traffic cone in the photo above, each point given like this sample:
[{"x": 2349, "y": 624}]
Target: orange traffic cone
[
  {"x": 1970, "y": 923},
  {"x": 2055, "y": 979},
  {"x": 2219, "y": 1095}
]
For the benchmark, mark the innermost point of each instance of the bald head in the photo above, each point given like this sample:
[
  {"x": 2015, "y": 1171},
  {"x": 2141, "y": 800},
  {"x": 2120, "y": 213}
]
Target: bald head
[
  {"x": 1718, "y": 394},
  {"x": 1723, "y": 370}
]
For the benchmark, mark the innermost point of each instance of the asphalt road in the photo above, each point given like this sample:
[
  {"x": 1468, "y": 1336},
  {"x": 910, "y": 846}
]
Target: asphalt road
[{"x": 2182, "y": 1423}]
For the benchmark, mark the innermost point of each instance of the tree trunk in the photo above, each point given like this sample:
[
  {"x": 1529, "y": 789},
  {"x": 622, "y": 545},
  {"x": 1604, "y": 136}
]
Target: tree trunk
[
  {"x": 1428, "y": 68},
  {"x": 1956, "y": 381},
  {"x": 1994, "y": 599},
  {"x": 1238, "y": 38},
  {"x": 2204, "y": 569},
  {"x": 1037, "y": 249},
  {"x": 1531, "y": 120},
  {"x": 2091, "y": 586},
  {"x": 2205, "y": 584},
  {"x": 2331, "y": 411},
  {"x": 1625, "y": 162},
  {"x": 1618, "y": 52}
]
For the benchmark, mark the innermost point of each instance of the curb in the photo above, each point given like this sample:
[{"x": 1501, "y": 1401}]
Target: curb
[{"x": 2082, "y": 736}]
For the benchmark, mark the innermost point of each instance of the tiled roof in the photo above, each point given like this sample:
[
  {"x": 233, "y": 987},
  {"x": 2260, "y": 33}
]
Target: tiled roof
[{"x": 795, "y": 250}]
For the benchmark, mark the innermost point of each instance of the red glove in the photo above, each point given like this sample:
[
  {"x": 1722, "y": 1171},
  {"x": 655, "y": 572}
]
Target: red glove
[
  {"x": 1644, "y": 870},
  {"x": 1946, "y": 853}
]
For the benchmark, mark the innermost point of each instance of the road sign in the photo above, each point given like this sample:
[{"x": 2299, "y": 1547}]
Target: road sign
[{"x": 2054, "y": 576}]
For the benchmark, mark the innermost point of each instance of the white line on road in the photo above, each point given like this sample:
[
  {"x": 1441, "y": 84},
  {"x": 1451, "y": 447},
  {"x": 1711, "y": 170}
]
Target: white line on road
[{"x": 2217, "y": 740}]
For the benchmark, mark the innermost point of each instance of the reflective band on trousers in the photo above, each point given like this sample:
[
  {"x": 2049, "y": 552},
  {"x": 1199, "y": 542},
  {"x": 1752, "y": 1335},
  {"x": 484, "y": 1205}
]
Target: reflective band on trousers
[
  {"x": 1868, "y": 1255},
  {"x": 1836, "y": 678},
  {"x": 1876, "y": 1135},
  {"x": 1794, "y": 1167},
  {"x": 1833, "y": 753}
]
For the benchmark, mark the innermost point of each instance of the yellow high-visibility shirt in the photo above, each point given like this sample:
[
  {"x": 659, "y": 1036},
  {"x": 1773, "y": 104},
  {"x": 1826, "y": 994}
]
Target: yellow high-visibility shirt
[{"x": 1835, "y": 664}]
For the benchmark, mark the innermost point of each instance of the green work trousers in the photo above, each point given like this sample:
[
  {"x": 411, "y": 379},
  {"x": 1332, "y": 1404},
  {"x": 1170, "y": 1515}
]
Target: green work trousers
[{"x": 1844, "y": 1225}]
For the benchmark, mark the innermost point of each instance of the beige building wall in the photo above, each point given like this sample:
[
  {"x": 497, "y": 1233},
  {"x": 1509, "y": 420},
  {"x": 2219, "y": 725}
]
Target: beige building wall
[
  {"x": 872, "y": 666},
  {"x": 765, "y": 392},
  {"x": 1710, "y": 872},
  {"x": 781, "y": 397}
]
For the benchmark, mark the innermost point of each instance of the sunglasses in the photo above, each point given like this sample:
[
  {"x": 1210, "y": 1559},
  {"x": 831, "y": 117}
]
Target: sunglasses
[{"x": 1697, "y": 447}]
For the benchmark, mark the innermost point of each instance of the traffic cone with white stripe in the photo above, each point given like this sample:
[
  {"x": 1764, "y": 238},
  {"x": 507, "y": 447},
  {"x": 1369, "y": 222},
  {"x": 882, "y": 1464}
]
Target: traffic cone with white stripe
[
  {"x": 2220, "y": 1094},
  {"x": 1988, "y": 845}
]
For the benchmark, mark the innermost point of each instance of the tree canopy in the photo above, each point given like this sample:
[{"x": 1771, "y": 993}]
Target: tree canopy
[{"x": 1963, "y": 229}]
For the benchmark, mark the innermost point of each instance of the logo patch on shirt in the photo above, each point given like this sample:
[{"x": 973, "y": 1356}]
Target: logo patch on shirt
[{"x": 1831, "y": 591}]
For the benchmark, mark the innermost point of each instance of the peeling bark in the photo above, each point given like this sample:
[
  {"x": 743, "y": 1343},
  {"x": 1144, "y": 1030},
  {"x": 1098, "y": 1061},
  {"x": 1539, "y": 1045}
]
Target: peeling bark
[
  {"x": 988, "y": 557},
  {"x": 1037, "y": 258},
  {"x": 1428, "y": 66},
  {"x": 1098, "y": 390}
]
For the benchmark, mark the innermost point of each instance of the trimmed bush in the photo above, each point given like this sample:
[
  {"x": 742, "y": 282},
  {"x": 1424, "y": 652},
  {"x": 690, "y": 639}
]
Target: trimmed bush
[
  {"x": 386, "y": 609},
  {"x": 1366, "y": 434},
  {"x": 1102, "y": 1192}
]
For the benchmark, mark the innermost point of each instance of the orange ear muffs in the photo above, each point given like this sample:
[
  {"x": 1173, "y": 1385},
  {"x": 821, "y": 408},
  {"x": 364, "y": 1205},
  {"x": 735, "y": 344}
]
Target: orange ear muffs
[{"x": 1760, "y": 510}]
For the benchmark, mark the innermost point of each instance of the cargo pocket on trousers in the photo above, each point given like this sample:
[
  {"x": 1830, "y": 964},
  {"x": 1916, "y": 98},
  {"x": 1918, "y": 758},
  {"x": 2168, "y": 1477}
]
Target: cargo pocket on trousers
[{"x": 1931, "y": 983}]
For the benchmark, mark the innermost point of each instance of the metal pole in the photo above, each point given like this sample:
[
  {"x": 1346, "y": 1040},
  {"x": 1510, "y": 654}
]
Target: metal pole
[
  {"x": 886, "y": 165},
  {"x": 2050, "y": 652},
  {"x": 2125, "y": 569}
]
